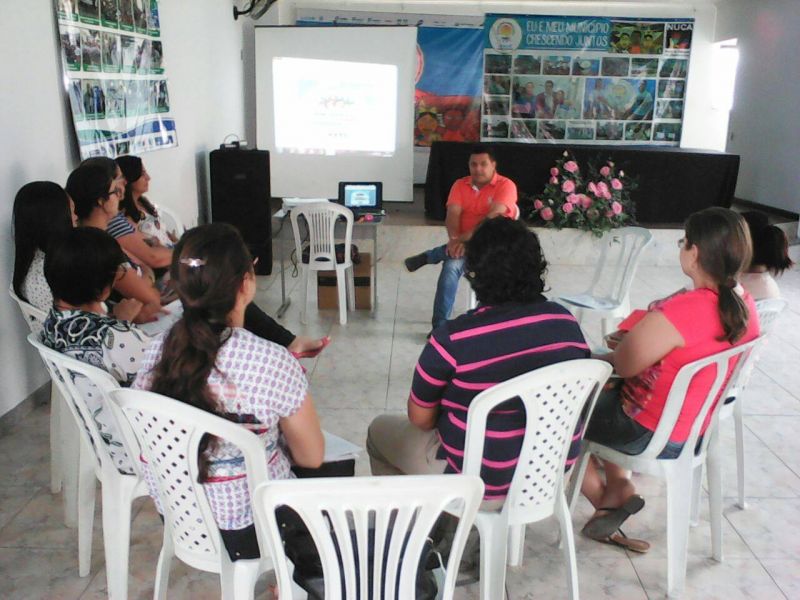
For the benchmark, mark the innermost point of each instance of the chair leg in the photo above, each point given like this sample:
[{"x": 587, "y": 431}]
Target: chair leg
[
  {"x": 70, "y": 464},
  {"x": 714, "y": 469},
  {"x": 55, "y": 439},
  {"x": 738, "y": 421},
  {"x": 238, "y": 579},
  {"x": 163, "y": 567},
  {"x": 341, "y": 289},
  {"x": 117, "y": 536},
  {"x": 697, "y": 489},
  {"x": 679, "y": 479},
  {"x": 568, "y": 541},
  {"x": 576, "y": 480},
  {"x": 351, "y": 288},
  {"x": 516, "y": 545},
  {"x": 303, "y": 316},
  {"x": 494, "y": 546},
  {"x": 85, "y": 507}
]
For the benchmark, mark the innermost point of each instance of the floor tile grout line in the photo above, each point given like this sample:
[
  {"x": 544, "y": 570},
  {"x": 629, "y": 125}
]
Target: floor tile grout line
[
  {"x": 775, "y": 454},
  {"x": 776, "y": 382},
  {"x": 391, "y": 346}
]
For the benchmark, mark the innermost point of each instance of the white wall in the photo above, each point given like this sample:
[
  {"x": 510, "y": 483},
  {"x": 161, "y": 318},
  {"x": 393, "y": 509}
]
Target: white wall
[
  {"x": 202, "y": 55},
  {"x": 764, "y": 127}
]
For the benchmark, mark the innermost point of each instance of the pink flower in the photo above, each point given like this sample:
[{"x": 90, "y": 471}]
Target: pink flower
[
  {"x": 616, "y": 207},
  {"x": 568, "y": 207},
  {"x": 571, "y": 166},
  {"x": 602, "y": 189},
  {"x": 554, "y": 180},
  {"x": 605, "y": 171},
  {"x": 592, "y": 188},
  {"x": 584, "y": 200},
  {"x": 609, "y": 213},
  {"x": 554, "y": 172},
  {"x": 537, "y": 204},
  {"x": 568, "y": 186},
  {"x": 546, "y": 213},
  {"x": 572, "y": 198},
  {"x": 616, "y": 184}
]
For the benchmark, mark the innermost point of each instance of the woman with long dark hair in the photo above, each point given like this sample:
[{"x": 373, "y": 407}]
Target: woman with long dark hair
[
  {"x": 96, "y": 196},
  {"x": 208, "y": 360},
  {"x": 770, "y": 257},
  {"x": 43, "y": 213},
  {"x": 715, "y": 315},
  {"x": 138, "y": 210}
]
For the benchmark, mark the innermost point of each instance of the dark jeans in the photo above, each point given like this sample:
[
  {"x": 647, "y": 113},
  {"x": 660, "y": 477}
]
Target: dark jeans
[
  {"x": 260, "y": 323},
  {"x": 611, "y": 427}
]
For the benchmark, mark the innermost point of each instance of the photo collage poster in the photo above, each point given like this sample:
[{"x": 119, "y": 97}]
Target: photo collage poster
[
  {"x": 113, "y": 63},
  {"x": 585, "y": 80}
]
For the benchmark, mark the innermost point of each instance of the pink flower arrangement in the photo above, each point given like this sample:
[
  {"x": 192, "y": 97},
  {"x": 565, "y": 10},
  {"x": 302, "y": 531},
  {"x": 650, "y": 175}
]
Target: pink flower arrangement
[{"x": 594, "y": 199}]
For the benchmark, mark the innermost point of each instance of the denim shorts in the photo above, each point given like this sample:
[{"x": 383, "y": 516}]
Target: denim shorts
[{"x": 611, "y": 427}]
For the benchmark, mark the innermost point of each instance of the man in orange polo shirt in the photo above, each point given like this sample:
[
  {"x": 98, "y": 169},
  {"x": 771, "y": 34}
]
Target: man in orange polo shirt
[{"x": 484, "y": 194}]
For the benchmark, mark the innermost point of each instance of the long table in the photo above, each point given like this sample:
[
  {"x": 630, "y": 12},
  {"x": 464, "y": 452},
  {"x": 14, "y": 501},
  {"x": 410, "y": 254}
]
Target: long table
[{"x": 673, "y": 182}]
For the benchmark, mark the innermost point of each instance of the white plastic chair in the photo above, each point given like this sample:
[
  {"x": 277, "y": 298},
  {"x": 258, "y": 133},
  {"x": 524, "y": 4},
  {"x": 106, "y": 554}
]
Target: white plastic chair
[
  {"x": 402, "y": 512},
  {"x": 170, "y": 220},
  {"x": 320, "y": 219},
  {"x": 681, "y": 473},
  {"x": 169, "y": 433},
  {"x": 608, "y": 295},
  {"x": 117, "y": 472},
  {"x": 768, "y": 312},
  {"x": 555, "y": 397}
]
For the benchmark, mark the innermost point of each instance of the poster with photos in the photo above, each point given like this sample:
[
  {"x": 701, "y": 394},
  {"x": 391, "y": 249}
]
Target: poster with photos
[
  {"x": 585, "y": 80},
  {"x": 113, "y": 62}
]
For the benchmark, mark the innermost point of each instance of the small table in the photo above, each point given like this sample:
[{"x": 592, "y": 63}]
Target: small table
[{"x": 361, "y": 230}]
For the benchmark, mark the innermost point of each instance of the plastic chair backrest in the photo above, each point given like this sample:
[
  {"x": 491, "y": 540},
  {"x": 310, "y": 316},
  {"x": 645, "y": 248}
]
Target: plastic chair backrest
[
  {"x": 619, "y": 258},
  {"x": 768, "y": 312},
  {"x": 554, "y": 398},
  {"x": 320, "y": 219},
  {"x": 721, "y": 363},
  {"x": 170, "y": 220},
  {"x": 169, "y": 434},
  {"x": 86, "y": 388},
  {"x": 34, "y": 317},
  {"x": 340, "y": 514}
]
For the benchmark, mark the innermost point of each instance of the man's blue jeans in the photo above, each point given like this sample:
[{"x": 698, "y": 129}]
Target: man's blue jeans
[{"x": 447, "y": 286}]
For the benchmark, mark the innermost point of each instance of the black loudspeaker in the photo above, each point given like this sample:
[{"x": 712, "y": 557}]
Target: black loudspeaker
[{"x": 240, "y": 196}]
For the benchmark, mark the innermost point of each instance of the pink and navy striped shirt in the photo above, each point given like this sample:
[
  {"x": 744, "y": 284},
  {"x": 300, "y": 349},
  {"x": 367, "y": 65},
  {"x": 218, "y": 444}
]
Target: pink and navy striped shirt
[{"x": 477, "y": 350}]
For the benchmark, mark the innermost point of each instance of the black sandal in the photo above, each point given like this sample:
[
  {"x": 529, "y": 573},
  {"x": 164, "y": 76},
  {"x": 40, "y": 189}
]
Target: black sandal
[{"x": 602, "y": 527}]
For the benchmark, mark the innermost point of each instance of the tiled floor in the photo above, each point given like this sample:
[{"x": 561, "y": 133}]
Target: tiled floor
[{"x": 366, "y": 371}]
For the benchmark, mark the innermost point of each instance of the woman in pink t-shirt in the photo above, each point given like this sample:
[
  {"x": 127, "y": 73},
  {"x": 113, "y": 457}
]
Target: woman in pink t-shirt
[{"x": 715, "y": 315}]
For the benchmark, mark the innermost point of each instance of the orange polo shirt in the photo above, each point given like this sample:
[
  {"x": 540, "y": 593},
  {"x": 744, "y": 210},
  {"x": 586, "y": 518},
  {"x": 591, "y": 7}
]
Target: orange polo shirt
[{"x": 475, "y": 202}]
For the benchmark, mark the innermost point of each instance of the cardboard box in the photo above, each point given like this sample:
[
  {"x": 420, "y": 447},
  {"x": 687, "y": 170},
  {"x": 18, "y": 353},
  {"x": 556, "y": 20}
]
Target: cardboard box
[{"x": 328, "y": 295}]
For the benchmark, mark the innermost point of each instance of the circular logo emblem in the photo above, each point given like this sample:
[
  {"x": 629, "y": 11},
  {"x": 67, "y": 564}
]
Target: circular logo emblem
[{"x": 505, "y": 34}]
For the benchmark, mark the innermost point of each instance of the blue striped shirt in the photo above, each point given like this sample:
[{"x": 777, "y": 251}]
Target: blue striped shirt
[{"x": 119, "y": 226}]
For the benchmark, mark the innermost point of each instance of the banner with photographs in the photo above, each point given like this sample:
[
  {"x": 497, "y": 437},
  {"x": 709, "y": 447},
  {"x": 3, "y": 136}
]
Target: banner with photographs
[
  {"x": 585, "y": 80},
  {"x": 447, "y": 97},
  {"x": 114, "y": 75}
]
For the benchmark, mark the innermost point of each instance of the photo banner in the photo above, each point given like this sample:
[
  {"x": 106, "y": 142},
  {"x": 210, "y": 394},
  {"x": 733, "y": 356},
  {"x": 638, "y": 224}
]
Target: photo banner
[
  {"x": 585, "y": 80},
  {"x": 113, "y": 62},
  {"x": 447, "y": 98}
]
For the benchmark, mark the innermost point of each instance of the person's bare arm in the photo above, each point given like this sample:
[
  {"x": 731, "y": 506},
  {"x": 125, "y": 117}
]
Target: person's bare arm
[
  {"x": 452, "y": 222},
  {"x": 130, "y": 285},
  {"x": 304, "y": 436},
  {"x": 155, "y": 257},
  {"x": 648, "y": 342},
  {"x": 424, "y": 418}
]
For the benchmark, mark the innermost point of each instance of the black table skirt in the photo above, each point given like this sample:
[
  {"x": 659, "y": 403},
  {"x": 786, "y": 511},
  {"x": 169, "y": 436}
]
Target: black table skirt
[{"x": 673, "y": 182}]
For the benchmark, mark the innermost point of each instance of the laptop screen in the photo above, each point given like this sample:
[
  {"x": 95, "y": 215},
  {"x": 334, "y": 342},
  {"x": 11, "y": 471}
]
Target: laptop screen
[{"x": 361, "y": 196}]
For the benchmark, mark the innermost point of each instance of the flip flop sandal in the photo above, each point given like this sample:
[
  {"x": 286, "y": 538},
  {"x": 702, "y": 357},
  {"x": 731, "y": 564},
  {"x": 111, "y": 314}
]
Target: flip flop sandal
[
  {"x": 312, "y": 353},
  {"x": 602, "y": 527},
  {"x": 618, "y": 538}
]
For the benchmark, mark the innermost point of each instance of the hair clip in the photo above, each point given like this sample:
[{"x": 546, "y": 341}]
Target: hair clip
[{"x": 193, "y": 262}]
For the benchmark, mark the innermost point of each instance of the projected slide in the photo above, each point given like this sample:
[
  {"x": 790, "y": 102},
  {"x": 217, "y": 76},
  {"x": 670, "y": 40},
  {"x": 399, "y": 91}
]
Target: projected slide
[{"x": 331, "y": 107}]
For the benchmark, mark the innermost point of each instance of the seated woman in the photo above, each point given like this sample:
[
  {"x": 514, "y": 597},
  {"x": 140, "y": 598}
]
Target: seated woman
[
  {"x": 208, "y": 360},
  {"x": 138, "y": 210},
  {"x": 514, "y": 331},
  {"x": 81, "y": 268},
  {"x": 132, "y": 241},
  {"x": 96, "y": 196},
  {"x": 770, "y": 257},
  {"x": 717, "y": 314},
  {"x": 42, "y": 214}
]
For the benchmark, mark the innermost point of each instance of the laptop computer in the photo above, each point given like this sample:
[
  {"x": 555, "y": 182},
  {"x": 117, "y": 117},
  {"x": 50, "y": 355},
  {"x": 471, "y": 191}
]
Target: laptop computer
[{"x": 363, "y": 198}]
